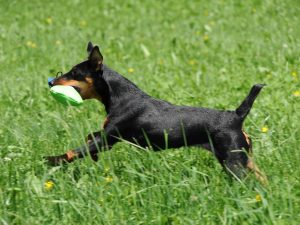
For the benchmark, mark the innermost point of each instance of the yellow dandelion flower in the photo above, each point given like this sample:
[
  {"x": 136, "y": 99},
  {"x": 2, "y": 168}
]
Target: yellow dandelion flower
[
  {"x": 192, "y": 62},
  {"x": 82, "y": 23},
  {"x": 31, "y": 44},
  {"x": 258, "y": 198},
  {"x": 130, "y": 70},
  {"x": 205, "y": 37},
  {"x": 108, "y": 179},
  {"x": 49, "y": 20},
  {"x": 294, "y": 74},
  {"x": 58, "y": 42},
  {"x": 161, "y": 61},
  {"x": 49, "y": 185},
  {"x": 264, "y": 129},
  {"x": 296, "y": 93}
]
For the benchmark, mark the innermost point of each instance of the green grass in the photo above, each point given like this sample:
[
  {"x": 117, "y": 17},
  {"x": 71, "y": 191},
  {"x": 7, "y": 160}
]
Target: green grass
[{"x": 200, "y": 53}]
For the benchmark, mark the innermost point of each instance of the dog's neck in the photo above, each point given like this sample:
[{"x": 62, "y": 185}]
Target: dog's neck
[{"x": 116, "y": 91}]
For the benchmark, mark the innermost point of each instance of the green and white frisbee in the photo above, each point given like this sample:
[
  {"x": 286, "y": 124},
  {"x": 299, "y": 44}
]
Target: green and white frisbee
[{"x": 66, "y": 95}]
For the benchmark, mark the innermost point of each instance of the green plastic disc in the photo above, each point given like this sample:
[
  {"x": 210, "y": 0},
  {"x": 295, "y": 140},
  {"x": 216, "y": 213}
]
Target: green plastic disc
[{"x": 66, "y": 95}]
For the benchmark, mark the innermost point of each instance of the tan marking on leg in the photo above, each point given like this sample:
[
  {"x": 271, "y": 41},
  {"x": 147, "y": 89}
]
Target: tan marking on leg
[
  {"x": 70, "y": 155},
  {"x": 262, "y": 178}
]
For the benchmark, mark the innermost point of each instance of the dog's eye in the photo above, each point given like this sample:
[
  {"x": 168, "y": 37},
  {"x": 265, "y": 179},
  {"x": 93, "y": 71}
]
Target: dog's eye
[{"x": 74, "y": 73}]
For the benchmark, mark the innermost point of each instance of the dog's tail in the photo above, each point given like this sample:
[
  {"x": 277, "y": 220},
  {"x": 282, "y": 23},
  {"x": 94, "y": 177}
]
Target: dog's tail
[{"x": 243, "y": 110}]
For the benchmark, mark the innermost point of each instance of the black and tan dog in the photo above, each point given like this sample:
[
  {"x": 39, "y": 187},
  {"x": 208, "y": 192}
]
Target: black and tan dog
[{"x": 134, "y": 116}]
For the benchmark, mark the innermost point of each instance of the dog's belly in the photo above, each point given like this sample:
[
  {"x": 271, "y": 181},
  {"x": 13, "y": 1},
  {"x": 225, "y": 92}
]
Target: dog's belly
[
  {"x": 171, "y": 137},
  {"x": 174, "y": 127}
]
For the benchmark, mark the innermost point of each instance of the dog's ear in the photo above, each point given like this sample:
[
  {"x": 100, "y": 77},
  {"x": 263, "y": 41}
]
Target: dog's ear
[
  {"x": 95, "y": 58},
  {"x": 90, "y": 47}
]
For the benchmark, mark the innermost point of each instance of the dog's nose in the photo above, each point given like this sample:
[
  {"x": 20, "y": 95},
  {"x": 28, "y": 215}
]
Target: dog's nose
[{"x": 51, "y": 81}]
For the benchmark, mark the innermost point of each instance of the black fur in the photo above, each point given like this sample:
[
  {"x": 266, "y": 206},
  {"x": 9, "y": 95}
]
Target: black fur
[{"x": 137, "y": 117}]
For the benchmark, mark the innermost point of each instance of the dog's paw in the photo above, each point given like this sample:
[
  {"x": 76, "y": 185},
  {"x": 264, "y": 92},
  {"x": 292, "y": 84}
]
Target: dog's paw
[
  {"x": 89, "y": 139},
  {"x": 56, "y": 160},
  {"x": 94, "y": 157}
]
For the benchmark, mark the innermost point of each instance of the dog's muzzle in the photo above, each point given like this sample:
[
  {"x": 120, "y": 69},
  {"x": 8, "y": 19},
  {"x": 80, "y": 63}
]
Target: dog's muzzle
[{"x": 51, "y": 81}]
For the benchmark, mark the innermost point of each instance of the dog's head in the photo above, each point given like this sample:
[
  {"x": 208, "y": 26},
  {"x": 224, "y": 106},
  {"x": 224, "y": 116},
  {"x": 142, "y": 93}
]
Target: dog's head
[{"x": 82, "y": 76}]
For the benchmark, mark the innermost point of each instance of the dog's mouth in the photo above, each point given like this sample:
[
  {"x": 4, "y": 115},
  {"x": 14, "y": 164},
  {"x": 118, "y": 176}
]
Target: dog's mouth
[
  {"x": 76, "y": 88},
  {"x": 51, "y": 84},
  {"x": 57, "y": 81}
]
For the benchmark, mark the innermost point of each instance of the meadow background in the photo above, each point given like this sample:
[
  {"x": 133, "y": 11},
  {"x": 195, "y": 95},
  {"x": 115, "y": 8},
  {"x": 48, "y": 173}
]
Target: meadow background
[{"x": 200, "y": 53}]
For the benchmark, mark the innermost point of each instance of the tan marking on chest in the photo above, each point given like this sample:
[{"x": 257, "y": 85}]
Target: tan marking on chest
[{"x": 247, "y": 137}]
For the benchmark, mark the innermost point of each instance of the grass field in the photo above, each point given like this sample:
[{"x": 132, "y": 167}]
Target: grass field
[{"x": 199, "y": 53}]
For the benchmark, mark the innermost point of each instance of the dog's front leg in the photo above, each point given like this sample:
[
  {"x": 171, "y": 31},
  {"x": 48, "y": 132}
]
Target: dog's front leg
[
  {"x": 89, "y": 139},
  {"x": 96, "y": 142}
]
